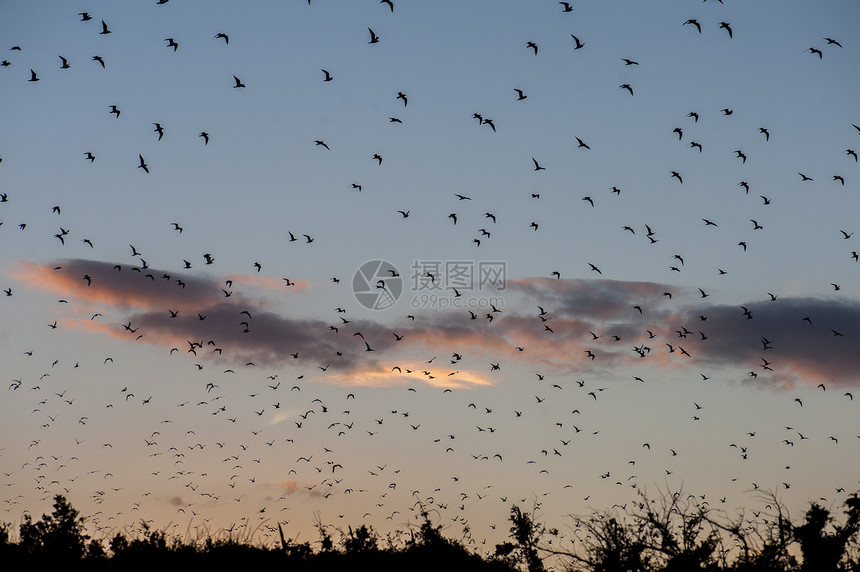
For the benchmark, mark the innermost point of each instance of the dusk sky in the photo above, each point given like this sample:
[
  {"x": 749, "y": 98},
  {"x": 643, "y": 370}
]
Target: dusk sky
[{"x": 289, "y": 262}]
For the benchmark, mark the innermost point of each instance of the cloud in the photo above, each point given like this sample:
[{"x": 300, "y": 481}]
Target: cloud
[
  {"x": 808, "y": 340},
  {"x": 547, "y": 324},
  {"x": 291, "y": 487},
  {"x": 117, "y": 285},
  {"x": 595, "y": 299},
  {"x": 267, "y": 282},
  {"x": 403, "y": 373}
]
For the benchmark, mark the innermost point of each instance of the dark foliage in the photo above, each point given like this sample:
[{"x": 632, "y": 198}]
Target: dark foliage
[{"x": 667, "y": 534}]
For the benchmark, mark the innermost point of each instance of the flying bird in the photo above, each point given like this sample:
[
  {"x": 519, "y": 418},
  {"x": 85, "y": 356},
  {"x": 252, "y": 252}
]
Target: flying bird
[
  {"x": 238, "y": 82},
  {"x": 374, "y": 39},
  {"x": 143, "y": 164}
]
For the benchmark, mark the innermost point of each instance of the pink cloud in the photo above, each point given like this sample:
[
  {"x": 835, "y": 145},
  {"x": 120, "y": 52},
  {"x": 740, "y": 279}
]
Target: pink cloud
[{"x": 243, "y": 329}]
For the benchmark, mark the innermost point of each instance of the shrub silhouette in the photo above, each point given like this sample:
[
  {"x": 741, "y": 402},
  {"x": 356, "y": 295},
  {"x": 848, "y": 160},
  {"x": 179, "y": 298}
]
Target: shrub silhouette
[{"x": 671, "y": 533}]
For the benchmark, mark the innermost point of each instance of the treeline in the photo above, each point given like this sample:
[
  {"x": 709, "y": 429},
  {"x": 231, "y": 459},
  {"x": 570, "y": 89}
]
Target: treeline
[{"x": 666, "y": 534}]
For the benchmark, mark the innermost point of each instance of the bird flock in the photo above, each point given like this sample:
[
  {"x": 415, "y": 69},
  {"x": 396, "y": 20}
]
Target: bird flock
[{"x": 676, "y": 296}]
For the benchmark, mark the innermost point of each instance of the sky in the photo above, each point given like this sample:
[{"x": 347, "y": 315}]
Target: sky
[{"x": 479, "y": 266}]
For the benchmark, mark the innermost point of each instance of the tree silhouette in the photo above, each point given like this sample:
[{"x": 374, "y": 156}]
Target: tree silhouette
[
  {"x": 673, "y": 532},
  {"x": 60, "y": 534},
  {"x": 824, "y": 551},
  {"x": 527, "y": 535}
]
